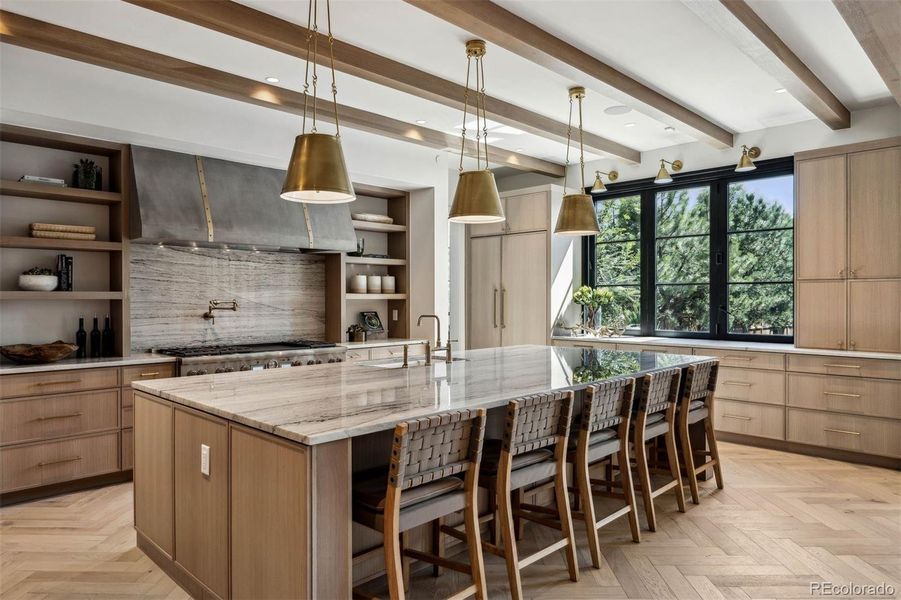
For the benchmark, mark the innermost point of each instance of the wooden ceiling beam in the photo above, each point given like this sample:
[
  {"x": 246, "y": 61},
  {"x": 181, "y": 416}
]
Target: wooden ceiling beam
[
  {"x": 877, "y": 26},
  {"x": 502, "y": 27},
  {"x": 69, "y": 43},
  {"x": 257, "y": 27},
  {"x": 738, "y": 23}
]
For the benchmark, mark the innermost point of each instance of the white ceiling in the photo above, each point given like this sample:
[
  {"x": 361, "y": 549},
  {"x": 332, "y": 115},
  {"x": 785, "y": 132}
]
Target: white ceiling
[{"x": 660, "y": 43}]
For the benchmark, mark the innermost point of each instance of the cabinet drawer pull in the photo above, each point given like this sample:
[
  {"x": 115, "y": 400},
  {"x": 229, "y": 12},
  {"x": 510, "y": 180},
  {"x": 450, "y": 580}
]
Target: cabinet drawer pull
[
  {"x": 589, "y": 346},
  {"x": 69, "y": 416},
  {"x": 68, "y": 381},
  {"x": 841, "y": 366},
  {"x": 57, "y": 462},
  {"x": 729, "y": 356},
  {"x": 742, "y": 383},
  {"x": 739, "y": 417},
  {"x": 842, "y": 394},
  {"x": 150, "y": 374},
  {"x": 845, "y": 431}
]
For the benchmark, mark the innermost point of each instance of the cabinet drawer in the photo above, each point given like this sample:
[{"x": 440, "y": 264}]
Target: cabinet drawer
[
  {"x": 50, "y": 417},
  {"x": 654, "y": 348},
  {"x": 747, "y": 418},
  {"x": 845, "y": 432},
  {"x": 753, "y": 385},
  {"x": 849, "y": 367},
  {"x": 857, "y": 395},
  {"x": 353, "y": 355},
  {"x": 397, "y": 351},
  {"x": 57, "y": 382},
  {"x": 128, "y": 449},
  {"x": 128, "y": 416},
  {"x": 53, "y": 462},
  {"x": 748, "y": 360},
  {"x": 142, "y": 372},
  {"x": 586, "y": 345}
]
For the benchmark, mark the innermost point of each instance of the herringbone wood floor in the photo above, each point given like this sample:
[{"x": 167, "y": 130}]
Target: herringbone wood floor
[{"x": 783, "y": 521}]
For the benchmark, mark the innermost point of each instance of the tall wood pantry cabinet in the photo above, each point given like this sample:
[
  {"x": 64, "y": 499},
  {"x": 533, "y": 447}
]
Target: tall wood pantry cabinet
[
  {"x": 507, "y": 274},
  {"x": 848, "y": 247}
]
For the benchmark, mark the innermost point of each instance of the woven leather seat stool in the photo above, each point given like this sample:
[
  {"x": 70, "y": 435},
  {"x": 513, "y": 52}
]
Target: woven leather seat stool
[
  {"x": 696, "y": 405},
  {"x": 656, "y": 400},
  {"x": 603, "y": 434},
  {"x": 434, "y": 472}
]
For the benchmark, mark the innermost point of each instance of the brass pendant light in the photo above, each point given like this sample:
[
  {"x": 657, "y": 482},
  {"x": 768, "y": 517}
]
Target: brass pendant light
[
  {"x": 745, "y": 163},
  {"x": 317, "y": 173},
  {"x": 476, "y": 199},
  {"x": 577, "y": 216},
  {"x": 663, "y": 175}
]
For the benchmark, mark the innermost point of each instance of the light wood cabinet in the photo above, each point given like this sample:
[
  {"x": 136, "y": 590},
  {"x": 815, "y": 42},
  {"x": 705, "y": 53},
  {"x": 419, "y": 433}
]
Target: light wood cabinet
[
  {"x": 44, "y": 463},
  {"x": 484, "y": 295},
  {"x": 751, "y": 385},
  {"x": 846, "y": 367},
  {"x": 523, "y": 212},
  {"x": 855, "y": 395},
  {"x": 874, "y": 315},
  {"x": 821, "y": 218},
  {"x": 524, "y": 291},
  {"x": 820, "y": 314},
  {"x": 874, "y": 213},
  {"x": 47, "y": 417},
  {"x": 154, "y": 474},
  {"x": 57, "y": 382},
  {"x": 145, "y": 372},
  {"x": 845, "y": 432},
  {"x": 745, "y": 360},
  {"x": 748, "y": 418}
]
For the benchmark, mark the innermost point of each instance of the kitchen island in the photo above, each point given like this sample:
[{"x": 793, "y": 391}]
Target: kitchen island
[{"x": 243, "y": 480}]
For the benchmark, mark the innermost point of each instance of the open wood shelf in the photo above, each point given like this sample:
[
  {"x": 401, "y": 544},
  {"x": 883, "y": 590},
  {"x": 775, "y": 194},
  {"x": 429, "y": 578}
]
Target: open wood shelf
[
  {"x": 28, "y": 189},
  {"x": 379, "y": 227},
  {"x": 376, "y": 296},
  {"x": 26, "y": 295},
  {"x": 13, "y": 241},
  {"x": 366, "y": 260}
]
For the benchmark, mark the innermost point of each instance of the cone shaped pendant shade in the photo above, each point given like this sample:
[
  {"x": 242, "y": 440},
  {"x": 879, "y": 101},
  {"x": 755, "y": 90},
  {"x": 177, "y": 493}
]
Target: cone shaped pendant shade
[
  {"x": 476, "y": 199},
  {"x": 598, "y": 186},
  {"x": 577, "y": 216},
  {"x": 663, "y": 176},
  {"x": 317, "y": 173}
]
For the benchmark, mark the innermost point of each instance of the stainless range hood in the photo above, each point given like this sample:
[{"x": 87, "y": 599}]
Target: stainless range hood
[{"x": 184, "y": 199}]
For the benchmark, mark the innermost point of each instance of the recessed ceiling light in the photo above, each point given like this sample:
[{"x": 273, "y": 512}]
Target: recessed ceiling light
[
  {"x": 617, "y": 109},
  {"x": 518, "y": 150},
  {"x": 669, "y": 129},
  {"x": 781, "y": 91},
  {"x": 272, "y": 79},
  {"x": 421, "y": 121},
  {"x": 629, "y": 125}
]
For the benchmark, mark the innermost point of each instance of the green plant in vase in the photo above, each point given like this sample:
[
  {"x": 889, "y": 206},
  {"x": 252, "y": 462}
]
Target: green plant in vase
[
  {"x": 592, "y": 301},
  {"x": 86, "y": 174}
]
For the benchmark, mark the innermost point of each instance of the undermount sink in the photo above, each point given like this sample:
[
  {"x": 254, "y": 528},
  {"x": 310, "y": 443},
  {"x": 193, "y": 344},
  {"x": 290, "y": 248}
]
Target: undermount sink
[{"x": 416, "y": 362}]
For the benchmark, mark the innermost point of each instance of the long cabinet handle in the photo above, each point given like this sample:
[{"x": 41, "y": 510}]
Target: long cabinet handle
[
  {"x": 66, "y": 382},
  {"x": 733, "y": 357},
  {"x": 69, "y": 416},
  {"x": 841, "y": 366},
  {"x": 150, "y": 374},
  {"x": 494, "y": 310},
  {"x": 58, "y": 462},
  {"x": 741, "y": 383},
  {"x": 845, "y": 431},
  {"x": 503, "y": 308},
  {"x": 842, "y": 394},
  {"x": 739, "y": 417}
]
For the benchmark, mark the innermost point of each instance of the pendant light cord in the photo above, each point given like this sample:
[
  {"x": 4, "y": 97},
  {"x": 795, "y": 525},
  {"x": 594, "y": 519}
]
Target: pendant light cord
[
  {"x": 581, "y": 149},
  {"x": 481, "y": 64},
  {"x": 569, "y": 135},
  {"x": 312, "y": 58},
  {"x": 331, "y": 52},
  {"x": 465, "y": 111}
]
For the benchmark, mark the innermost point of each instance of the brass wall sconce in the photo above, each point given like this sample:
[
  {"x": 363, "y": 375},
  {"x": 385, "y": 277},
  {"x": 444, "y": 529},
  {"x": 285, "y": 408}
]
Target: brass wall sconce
[
  {"x": 663, "y": 175},
  {"x": 745, "y": 163},
  {"x": 599, "y": 186}
]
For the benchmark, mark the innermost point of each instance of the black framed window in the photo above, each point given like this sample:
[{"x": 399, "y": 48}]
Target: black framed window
[{"x": 709, "y": 255}]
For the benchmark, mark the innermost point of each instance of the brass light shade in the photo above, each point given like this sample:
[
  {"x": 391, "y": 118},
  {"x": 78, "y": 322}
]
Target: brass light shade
[
  {"x": 476, "y": 199},
  {"x": 663, "y": 175},
  {"x": 577, "y": 216},
  {"x": 599, "y": 186},
  {"x": 745, "y": 163},
  {"x": 317, "y": 173}
]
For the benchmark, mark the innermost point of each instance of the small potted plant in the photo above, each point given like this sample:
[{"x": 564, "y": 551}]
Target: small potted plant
[
  {"x": 38, "y": 279},
  {"x": 86, "y": 175},
  {"x": 356, "y": 333},
  {"x": 591, "y": 301}
]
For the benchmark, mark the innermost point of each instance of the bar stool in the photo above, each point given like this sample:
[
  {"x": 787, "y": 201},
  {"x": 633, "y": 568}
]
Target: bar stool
[
  {"x": 427, "y": 455},
  {"x": 697, "y": 405},
  {"x": 656, "y": 401},
  {"x": 534, "y": 425},
  {"x": 603, "y": 434}
]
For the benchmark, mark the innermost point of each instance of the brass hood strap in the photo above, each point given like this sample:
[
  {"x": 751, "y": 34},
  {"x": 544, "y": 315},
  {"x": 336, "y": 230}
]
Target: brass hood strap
[
  {"x": 206, "y": 199},
  {"x": 306, "y": 218}
]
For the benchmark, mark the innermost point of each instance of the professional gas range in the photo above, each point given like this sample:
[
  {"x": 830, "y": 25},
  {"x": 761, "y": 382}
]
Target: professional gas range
[{"x": 201, "y": 360}]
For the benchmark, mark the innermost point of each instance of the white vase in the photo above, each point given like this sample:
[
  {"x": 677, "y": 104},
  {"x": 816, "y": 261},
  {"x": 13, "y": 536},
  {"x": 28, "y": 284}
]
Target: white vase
[
  {"x": 389, "y": 284},
  {"x": 374, "y": 284},
  {"x": 358, "y": 284}
]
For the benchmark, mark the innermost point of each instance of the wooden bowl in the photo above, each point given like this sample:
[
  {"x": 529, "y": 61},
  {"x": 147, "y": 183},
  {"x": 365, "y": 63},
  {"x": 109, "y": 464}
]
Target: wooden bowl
[{"x": 33, "y": 354}]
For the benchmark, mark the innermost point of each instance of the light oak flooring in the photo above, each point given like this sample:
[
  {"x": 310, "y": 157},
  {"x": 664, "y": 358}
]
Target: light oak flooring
[{"x": 783, "y": 521}]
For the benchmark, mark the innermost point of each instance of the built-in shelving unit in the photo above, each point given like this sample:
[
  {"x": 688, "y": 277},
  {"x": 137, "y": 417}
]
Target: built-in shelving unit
[
  {"x": 50, "y": 153},
  {"x": 366, "y": 260},
  {"x": 379, "y": 227},
  {"x": 376, "y": 297}
]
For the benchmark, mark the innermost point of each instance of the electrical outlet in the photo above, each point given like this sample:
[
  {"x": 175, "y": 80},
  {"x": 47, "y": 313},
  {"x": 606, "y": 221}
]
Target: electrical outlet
[
  {"x": 205, "y": 459},
  {"x": 394, "y": 315}
]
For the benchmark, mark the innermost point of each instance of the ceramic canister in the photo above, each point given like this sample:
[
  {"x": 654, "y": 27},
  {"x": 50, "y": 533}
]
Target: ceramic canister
[
  {"x": 358, "y": 284},
  {"x": 388, "y": 284},
  {"x": 374, "y": 284}
]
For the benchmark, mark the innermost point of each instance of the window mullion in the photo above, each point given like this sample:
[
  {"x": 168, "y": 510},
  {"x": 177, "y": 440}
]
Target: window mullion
[
  {"x": 719, "y": 260},
  {"x": 648, "y": 259}
]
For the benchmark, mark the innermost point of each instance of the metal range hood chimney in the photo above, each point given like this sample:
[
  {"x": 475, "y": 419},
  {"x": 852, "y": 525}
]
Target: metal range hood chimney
[{"x": 182, "y": 199}]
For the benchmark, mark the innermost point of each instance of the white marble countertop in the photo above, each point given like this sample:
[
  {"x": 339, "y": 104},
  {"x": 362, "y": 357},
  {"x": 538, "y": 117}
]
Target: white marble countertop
[
  {"x": 724, "y": 344},
  {"x": 323, "y": 403},
  {"x": 382, "y": 343},
  {"x": 143, "y": 358}
]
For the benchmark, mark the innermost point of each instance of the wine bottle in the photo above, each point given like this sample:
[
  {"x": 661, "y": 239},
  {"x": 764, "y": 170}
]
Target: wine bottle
[
  {"x": 95, "y": 340},
  {"x": 107, "y": 338},
  {"x": 81, "y": 340}
]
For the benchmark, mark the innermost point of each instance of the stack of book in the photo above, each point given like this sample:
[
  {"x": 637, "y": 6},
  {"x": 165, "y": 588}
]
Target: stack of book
[
  {"x": 44, "y": 180},
  {"x": 65, "y": 271},
  {"x": 63, "y": 232}
]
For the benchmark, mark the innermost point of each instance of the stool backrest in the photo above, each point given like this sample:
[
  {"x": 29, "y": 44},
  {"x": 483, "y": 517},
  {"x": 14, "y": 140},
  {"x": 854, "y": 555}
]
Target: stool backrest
[
  {"x": 700, "y": 382},
  {"x": 607, "y": 404},
  {"x": 537, "y": 421},
  {"x": 436, "y": 447},
  {"x": 657, "y": 391}
]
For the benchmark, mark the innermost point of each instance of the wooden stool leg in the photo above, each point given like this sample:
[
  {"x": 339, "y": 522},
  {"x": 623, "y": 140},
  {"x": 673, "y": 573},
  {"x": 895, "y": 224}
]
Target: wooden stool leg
[
  {"x": 508, "y": 534},
  {"x": 437, "y": 546},
  {"x": 405, "y": 561},
  {"x": 688, "y": 457},
  {"x": 670, "y": 439},
  {"x": 714, "y": 451},
  {"x": 474, "y": 542},
  {"x": 583, "y": 478},
  {"x": 494, "y": 523},
  {"x": 518, "y": 523},
  {"x": 561, "y": 489},
  {"x": 644, "y": 479},
  {"x": 628, "y": 491},
  {"x": 393, "y": 561}
]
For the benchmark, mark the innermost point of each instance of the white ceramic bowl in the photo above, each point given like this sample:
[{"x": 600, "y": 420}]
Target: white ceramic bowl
[{"x": 38, "y": 283}]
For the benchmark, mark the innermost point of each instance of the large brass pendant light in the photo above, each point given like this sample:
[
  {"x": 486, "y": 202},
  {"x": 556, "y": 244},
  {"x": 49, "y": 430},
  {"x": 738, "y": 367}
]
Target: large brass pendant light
[
  {"x": 577, "y": 215},
  {"x": 317, "y": 173},
  {"x": 476, "y": 199}
]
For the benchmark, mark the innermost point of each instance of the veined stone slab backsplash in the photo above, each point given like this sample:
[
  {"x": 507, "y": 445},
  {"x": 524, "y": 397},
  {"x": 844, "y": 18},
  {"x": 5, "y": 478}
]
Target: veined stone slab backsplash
[{"x": 280, "y": 296}]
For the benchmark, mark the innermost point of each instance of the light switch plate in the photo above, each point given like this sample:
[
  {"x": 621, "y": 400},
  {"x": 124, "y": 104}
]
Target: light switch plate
[
  {"x": 205, "y": 459},
  {"x": 394, "y": 315}
]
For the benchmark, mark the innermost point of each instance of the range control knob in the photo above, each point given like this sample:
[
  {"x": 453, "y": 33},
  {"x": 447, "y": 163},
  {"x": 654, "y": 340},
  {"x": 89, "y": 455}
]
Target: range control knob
[
  {"x": 192, "y": 372},
  {"x": 331, "y": 360},
  {"x": 310, "y": 362},
  {"x": 272, "y": 364},
  {"x": 318, "y": 362},
  {"x": 339, "y": 360},
  {"x": 228, "y": 370},
  {"x": 245, "y": 367},
  {"x": 200, "y": 372},
  {"x": 296, "y": 363},
  {"x": 220, "y": 370}
]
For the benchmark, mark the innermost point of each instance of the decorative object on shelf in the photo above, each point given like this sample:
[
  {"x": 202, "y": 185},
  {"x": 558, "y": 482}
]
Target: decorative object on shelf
[
  {"x": 34, "y": 354},
  {"x": 38, "y": 280},
  {"x": 65, "y": 268},
  {"x": 577, "y": 216},
  {"x": 356, "y": 333},
  {"x": 599, "y": 186},
  {"x": 371, "y": 322},
  {"x": 96, "y": 340},
  {"x": 87, "y": 175},
  {"x": 374, "y": 284},
  {"x": 592, "y": 301},
  {"x": 358, "y": 284},
  {"x": 62, "y": 232},
  {"x": 745, "y": 163},
  {"x": 389, "y": 284},
  {"x": 361, "y": 246},
  {"x": 44, "y": 180},
  {"x": 317, "y": 173},
  {"x": 372, "y": 218},
  {"x": 476, "y": 199},
  {"x": 81, "y": 340},
  {"x": 663, "y": 175},
  {"x": 107, "y": 340}
]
